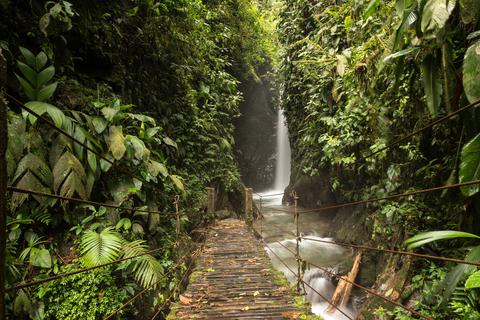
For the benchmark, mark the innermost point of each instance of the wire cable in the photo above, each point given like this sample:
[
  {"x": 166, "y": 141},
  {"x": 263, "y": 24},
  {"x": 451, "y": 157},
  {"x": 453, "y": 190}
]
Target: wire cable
[
  {"x": 406, "y": 253},
  {"x": 93, "y": 203},
  {"x": 431, "y": 124},
  {"x": 414, "y": 312}
]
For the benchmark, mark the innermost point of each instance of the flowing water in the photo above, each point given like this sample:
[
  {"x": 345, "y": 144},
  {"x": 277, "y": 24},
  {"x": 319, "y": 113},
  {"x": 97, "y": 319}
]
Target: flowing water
[
  {"x": 278, "y": 226},
  {"x": 282, "y": 168}
]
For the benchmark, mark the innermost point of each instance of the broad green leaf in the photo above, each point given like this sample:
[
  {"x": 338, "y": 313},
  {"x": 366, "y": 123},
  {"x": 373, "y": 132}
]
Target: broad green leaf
[
  {"x": 91, "y": 158},
  {"x": 125, "y": 223},
  {"x": 34, "y": 164},
  {"x": 432, "y": 85},
  {"x": 40, "y": 61},
  {"x": 155, "y": 168},
  {"x": 471, "y": 70},
  {"x": 427, "y": 237},
  {"x": 473, "y": 281},
  {"x": 178, "y": 182},
  {"x": 99, "y": 124},
  {"x": 40, "y": 258},
  {"x": 42, "y": 107},
  {"x": 69, "y": 176},
  {"x": 138, "y": 146},
  {"x": 469, "y": 10},
  {"x": 470, "y": 166},
  {"x": 435, "y": 15},
  {"x": 29, "y": 56},
  {"x": 371, "y": 8},
  {"x": 151, "y": 132},
  {"x": 28, "y": 73},
  {"x": 400, "y": 53},
  {"x": 46, "y": 92},
  {"x": 29, "y": 91},
  {"x": 116, "y": 142},
  {"x": 109, "y": 113},
  {"x": 142, "y": 118},
  {"x": 170, "y": 142},
  {"x": 45, "y": 76}
]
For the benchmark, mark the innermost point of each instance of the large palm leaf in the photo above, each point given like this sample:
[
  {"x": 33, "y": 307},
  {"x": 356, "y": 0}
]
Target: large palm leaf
[{"x": 99, "y": 248}]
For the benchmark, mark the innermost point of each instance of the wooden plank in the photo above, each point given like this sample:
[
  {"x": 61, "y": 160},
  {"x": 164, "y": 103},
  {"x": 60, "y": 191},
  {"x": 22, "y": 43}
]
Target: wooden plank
[{"x": 233, "y": 279}]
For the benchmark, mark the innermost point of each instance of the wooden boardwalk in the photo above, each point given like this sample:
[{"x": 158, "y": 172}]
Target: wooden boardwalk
[{"x": 234, "y": 279}]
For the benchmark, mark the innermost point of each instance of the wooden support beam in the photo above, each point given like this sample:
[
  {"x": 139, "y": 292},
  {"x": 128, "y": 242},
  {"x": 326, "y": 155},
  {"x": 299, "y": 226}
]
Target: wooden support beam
[
  {"x": 210, "y": 200},
  {"x": 248, "y": 204}
]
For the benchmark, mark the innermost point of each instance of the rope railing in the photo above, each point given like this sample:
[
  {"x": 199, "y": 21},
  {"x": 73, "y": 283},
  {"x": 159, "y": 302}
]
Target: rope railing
[
  {"x": 431, "y": 124},
  {"x": 71, "y": 273},
  {"x": 304, "y": 282},
  {"x": 414, "y": 312},
  {"x": 94, "y": 203},
  {"x": 269, "y": 195},
  {"x": 185, "y": 274},
  {"x": 406, "y": 253},
  {"x": 142, "y": 292},
  {"x": 390, "y": 197}
]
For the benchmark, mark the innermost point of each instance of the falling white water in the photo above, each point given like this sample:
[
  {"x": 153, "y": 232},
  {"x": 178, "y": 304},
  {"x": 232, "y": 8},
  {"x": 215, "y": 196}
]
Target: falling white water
[{"x": 282, "y": 171}]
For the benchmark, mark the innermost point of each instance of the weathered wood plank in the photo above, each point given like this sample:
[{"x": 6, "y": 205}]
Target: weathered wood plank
[{"x": 233, "y": 279}]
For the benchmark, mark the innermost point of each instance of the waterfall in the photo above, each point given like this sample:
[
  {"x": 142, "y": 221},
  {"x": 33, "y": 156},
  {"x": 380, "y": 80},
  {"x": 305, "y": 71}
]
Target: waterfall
[{"x": 282, "y": 171}]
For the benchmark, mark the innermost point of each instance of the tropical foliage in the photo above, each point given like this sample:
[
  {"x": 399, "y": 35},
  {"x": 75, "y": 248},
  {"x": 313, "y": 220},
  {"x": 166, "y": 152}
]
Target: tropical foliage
[
  {"x": 357, "y": 76},
  {"x": 149, "y": 96}
]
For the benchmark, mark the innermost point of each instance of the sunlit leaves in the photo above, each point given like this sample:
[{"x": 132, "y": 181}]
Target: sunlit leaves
[{"x": 432, "y": 236}]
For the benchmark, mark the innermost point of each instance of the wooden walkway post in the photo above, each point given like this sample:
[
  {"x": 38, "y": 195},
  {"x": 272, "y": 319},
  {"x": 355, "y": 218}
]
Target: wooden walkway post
[
  {"x": 210, "y": 200},
  {"x": 3, "y": 182},
  {"x": 248, "y": 205}
]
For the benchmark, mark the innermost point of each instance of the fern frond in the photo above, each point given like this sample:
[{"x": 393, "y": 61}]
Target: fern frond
[
  {"x": 147, "y": 269},
  {"x": 99, "y": 248}
]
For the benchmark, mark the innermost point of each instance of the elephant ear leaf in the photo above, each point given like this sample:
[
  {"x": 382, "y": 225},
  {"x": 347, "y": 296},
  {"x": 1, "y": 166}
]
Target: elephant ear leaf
[
  {"x": 69, "y": 176},
  {"x": 470, "y": 166},
  {"x": 471, "y": 70}
]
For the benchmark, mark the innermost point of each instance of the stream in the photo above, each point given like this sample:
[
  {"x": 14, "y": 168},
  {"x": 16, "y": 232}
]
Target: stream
[{"x": 279, "y": 226}]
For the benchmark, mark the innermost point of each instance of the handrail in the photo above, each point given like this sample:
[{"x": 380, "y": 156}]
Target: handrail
[
  {"x": 361, "y": 287},
  {"x": 431, "y": 124},
  {"x": 304, "y": 282},
  {"x": 94, "y": 203}
]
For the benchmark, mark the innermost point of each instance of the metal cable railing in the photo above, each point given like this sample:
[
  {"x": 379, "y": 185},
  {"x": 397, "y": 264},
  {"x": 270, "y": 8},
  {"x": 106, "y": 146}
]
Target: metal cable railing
[
  {"x": 94, "y": 203},
  {"x": 185, "y": 274},
  {"x": 390, "y": 197},
  {"x": 142, "y": 292},
  {"x": 305, "y": 283},
  {"x": 431, "y": 124},
  {"x": 414, "y": 312}
]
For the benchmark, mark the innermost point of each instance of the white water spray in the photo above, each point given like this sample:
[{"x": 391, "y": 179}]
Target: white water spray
[{"x": 282, "y": 171}]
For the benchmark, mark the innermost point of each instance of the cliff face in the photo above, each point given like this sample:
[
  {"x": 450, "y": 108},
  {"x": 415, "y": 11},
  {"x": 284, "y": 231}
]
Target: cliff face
[{"x": 255, "y": 135}]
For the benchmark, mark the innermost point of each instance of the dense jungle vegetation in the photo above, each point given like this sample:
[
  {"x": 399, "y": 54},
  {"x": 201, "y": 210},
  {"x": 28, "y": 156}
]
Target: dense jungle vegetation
[
  {"x": 359, "y": 74},
  {"x": 153, "y": 87}
]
